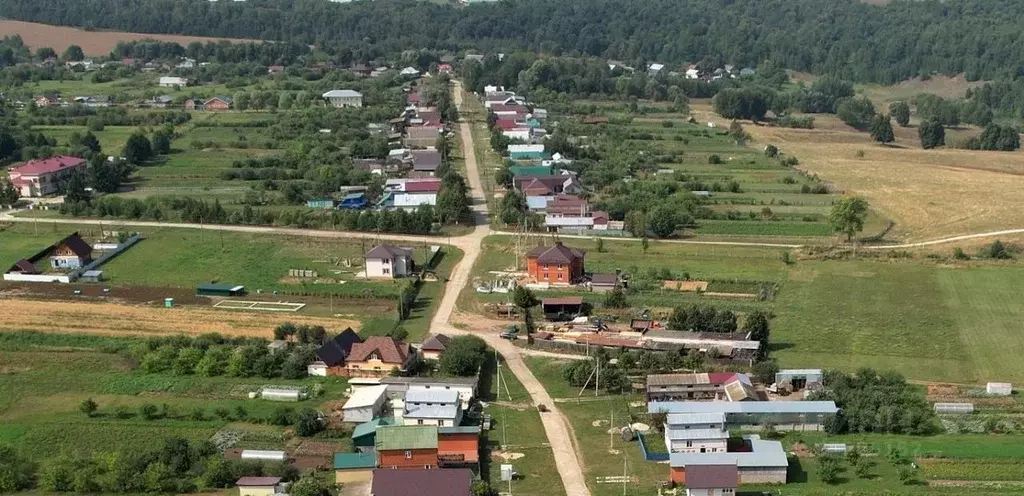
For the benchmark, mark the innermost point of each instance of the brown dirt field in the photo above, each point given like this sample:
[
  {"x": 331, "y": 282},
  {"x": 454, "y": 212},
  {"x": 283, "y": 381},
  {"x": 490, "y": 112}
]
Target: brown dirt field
[
  {"x": 59, "y": 38},
  {"x": 133, "y": 320},
  {"x": 928, "y": 193}
]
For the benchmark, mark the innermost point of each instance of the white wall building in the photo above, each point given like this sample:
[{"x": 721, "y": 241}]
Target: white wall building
[
  {"x": 388, "y": 261},
  {"x": 440, "y": 407},
  {"x": 365, "y": 404},
  {"x": 344, "y": 98},
  {"x": 696, "y": 433}
]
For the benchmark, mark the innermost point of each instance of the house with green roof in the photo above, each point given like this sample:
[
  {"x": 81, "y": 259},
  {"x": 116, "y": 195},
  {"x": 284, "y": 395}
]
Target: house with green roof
[
  {"x": 364, "y": 436},
  {"x": 530, "y": 170},
  {"x": 354, "y": 467},
  {"x": 407, "y": 446}
]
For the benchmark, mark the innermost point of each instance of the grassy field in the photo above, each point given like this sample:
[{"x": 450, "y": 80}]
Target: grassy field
[
  {"x": 927, "y": 193},
  {"x": 933, "y": 321},
  {"x": 45, "y": 378},
  {"x": 260, "y": 262}
]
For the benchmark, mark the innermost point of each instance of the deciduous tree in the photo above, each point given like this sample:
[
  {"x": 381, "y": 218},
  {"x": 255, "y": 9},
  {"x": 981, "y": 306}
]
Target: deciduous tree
[
  {"x": 847, "y": 216},
  {"x": 901, "y": 112}
]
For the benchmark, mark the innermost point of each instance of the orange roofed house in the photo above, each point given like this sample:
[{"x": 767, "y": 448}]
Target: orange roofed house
[
  {"x": 377, "y": 357},
  {"x": 556, "y": 264}
]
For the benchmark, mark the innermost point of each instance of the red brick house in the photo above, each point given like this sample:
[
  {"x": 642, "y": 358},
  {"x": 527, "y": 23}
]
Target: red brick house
[
  {"x": 556, "y": 264},
  {"x": 218, "y": 103}
]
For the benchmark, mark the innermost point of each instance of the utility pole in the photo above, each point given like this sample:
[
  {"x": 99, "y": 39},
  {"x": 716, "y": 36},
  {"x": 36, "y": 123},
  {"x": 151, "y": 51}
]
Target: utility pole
[{"x": 597, "y": 385}]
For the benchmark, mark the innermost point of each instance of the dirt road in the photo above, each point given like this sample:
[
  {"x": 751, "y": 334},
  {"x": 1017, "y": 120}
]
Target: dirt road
[{"x": 556, "y": 427}]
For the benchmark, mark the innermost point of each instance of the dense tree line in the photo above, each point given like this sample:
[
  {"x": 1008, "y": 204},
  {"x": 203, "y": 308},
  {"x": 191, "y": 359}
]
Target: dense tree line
[
  {"x": 213, "y": 356},
  {"x": 224, "y": 51},
  {"x": 853, "y": 39},
  {"x": 187, "y": 209},
  {"x": 876, "y": 402},
  {"x": 176, "y": 466}
]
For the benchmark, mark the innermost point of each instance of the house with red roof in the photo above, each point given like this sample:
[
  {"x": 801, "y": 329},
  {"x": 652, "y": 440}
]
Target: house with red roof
[
  {"x": 44, "y": 177},
  {"x": 378, "y": 356}
]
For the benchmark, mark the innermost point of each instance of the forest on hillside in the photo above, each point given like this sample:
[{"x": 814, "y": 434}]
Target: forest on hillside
[{"x": 847, "y": 38}]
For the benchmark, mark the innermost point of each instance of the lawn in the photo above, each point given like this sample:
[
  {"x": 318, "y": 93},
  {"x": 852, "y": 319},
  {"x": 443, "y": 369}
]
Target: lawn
[{"x": 111, "y": 138}]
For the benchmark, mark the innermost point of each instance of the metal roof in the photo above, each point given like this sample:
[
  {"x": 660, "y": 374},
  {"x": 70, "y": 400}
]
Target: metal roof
[
  {"x": 799, "y": 372},
  {"x": 406, "y": 437},
  {"x": 677, "y": 379},
  {"x": 462, "y": 429},
  {"x": 418, "y": 411},
  {"x": 695, "y": 418},
  {"x": 742, "y": 407},
  {"x": 355, "y": 460},
  {"x": 364, "y": 397},
  {"x": 685, "y": 434},
  {"x": 342, "y": 94},
  {"x": 431, "y": 395},
  {"x": 525, "y": 148},
  {"x": 433, "y": 381},
  {"x": 764, "y": 454},
  {"x": 712, "y": 477},
  {"x": 367, "y": 428}
]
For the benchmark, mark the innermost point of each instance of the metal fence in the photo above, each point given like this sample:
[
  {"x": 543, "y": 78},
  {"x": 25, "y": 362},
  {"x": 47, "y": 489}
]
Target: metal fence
[{"x": 649, "y": 456}]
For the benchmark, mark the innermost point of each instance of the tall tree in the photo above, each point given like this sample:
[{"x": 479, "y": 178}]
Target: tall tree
[
  {"x": 9, "y": 194},
  {"x": 847, "y": 216},
  {"x": 137, "y": 149},
  {"x": 932, "y": 134},
  {"x": 453, "y": 200},
  {"x": 881, "y": 129},
  {"x": 663, "y": 220},
  {"x": 901, "y": 112},
  {"x": 74, "y": 53}
]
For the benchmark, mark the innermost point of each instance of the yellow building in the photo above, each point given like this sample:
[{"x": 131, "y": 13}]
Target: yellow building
[{"x": 258, "y": 486}]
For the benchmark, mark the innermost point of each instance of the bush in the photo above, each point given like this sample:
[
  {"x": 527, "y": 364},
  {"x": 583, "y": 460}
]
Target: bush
[
  {"x": 997, "y": 251},
  {"x": 958, "y": 253},
  {"x": 198, "y": 414},
  {"x": 148, "y": 411},
  {"x": 88, "y": 407},
  {"x": 714, "y": 160}
]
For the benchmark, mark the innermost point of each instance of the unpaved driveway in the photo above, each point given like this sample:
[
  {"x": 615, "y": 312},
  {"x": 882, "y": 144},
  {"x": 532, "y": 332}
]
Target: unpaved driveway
[{"x": 556, "y": 427}]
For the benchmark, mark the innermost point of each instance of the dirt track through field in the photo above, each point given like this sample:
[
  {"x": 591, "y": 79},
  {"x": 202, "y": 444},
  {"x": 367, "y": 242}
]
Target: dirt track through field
[
  {"x": 37, "y": 35},
  {"x": 125, "y": 320}
]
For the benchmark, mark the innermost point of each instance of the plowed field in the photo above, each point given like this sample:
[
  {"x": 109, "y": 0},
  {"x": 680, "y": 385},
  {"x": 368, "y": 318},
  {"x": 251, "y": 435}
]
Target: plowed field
[{"x": 59, "y": 38}]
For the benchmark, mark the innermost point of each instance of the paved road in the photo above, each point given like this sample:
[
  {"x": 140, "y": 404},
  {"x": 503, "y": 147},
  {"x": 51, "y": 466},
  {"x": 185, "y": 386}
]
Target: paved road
[{"x": 556, "y": 427}]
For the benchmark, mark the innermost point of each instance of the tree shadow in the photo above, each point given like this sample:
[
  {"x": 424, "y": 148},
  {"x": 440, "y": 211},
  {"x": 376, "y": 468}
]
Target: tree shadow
[{"x": 795, "y": 473}]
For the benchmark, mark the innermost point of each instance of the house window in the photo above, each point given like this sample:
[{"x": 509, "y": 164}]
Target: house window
[
  {"x": 408, "y": 454},
  {"x": 419, "y": 422},
  {"x": 727, "y": 490},
  {"x": 547, "y": 276},
  {"x": 689, "y": 444},
  {"x": 559, "y": 276},
  {"x": 385, "y": 271}
]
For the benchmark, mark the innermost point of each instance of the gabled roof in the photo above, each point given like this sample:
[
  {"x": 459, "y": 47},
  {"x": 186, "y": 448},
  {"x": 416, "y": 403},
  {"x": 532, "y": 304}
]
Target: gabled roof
[
  {"x": 712, "y": 476},
  {"x": 389, "y": 350},
  {"x": 406, "y": 437},
  {"x": 48, "y": 165},
  {"x": 425, "y": 160},
  {"x": 225, "y": 99},
  {"x": 367, "y": 428},
  {"x": 77, "y": 245},
  {"x": 436, "y": 342},
  {"x": 336, "y": 350},
  {"x": 342, "y": 94},
  {"x": 24, "y": 266},
  {"x": 428, "y": 411},
  {"x": 431, "y": 395},
  {"x": 557, "y": 254},
  {"x": 447, "y": 482},
  {"x": 387, "y": 251}
]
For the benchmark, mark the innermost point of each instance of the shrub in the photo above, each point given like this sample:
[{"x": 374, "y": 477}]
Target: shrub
[
  {"x": 148, "y": 411},
  {"x": 88, "y": 407},
  {"x": 958, "y": 253},
  {"x": 714, "y": 159}
]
